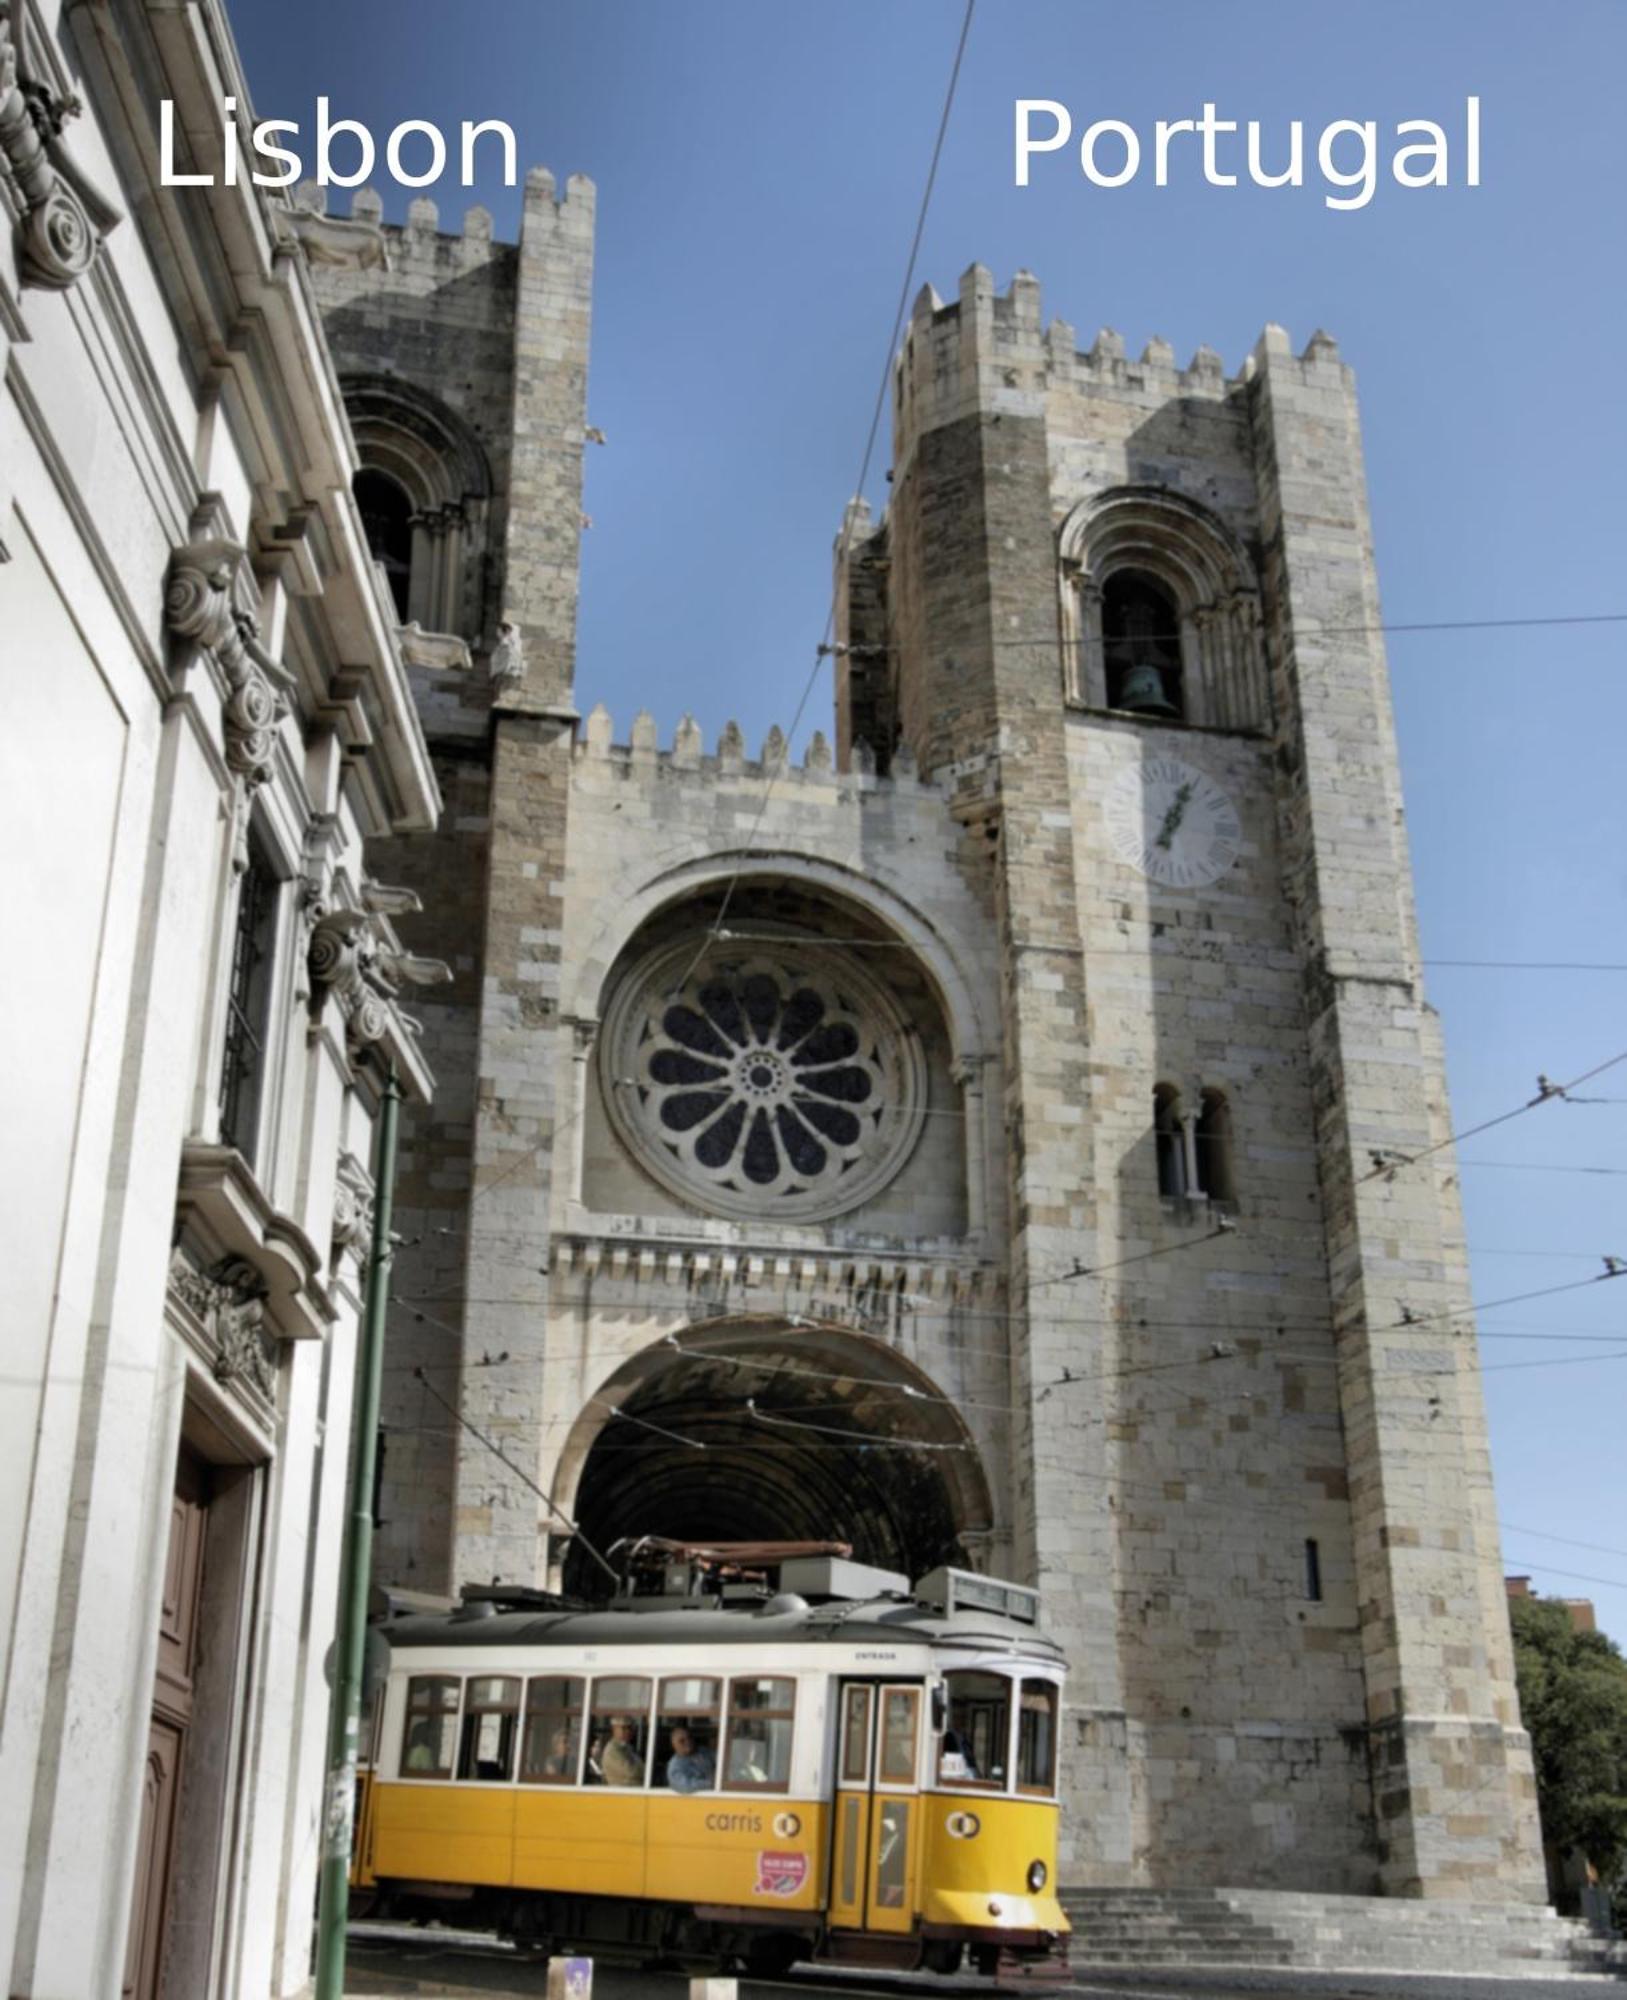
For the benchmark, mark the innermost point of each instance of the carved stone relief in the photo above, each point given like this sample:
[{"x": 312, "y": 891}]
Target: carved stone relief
[
  {"x": 352, "y": 1209},
  {"x": 227, "y": 1302}
]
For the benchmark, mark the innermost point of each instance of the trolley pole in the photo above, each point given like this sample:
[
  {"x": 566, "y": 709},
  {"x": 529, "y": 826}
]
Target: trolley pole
[{"x": 339, "y": 1801}]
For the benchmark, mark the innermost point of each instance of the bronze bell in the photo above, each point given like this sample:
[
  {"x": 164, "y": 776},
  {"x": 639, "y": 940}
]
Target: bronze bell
[{"x": 1142, "y": 691}]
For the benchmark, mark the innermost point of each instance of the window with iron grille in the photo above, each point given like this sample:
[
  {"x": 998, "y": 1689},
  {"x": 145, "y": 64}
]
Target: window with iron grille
[{"x": 248, "y": 1004}]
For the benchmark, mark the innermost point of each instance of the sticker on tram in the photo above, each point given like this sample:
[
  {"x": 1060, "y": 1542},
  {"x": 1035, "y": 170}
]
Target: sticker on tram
[{"x": 780, "y": 1874}]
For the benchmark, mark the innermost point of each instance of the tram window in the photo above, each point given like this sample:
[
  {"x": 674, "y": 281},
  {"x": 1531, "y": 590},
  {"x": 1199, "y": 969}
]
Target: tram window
[
  {"x": 619, "y": 1740},
  {"x": 760, "y": 1719},
  {"x": 686, "y": 1734},
  {"x": 892, "y": 1855},
  {"x": 856, "y": 1737},
  {"x": 552, "y": 1750},
  {"x": 491, "y": 1720},
  {"x": 978, "y": 1730},
  {"x": 1036, "y": 1737},
  {"x": 900, "y": 1708},
  {"x": 431, "y": 1735}
]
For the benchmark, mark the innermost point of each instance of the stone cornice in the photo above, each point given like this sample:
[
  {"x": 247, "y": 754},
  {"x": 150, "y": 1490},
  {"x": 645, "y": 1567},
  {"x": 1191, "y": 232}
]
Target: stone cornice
[
  {"x": 222, "y": 1208},
  {"x": 857, "y": 1286}
]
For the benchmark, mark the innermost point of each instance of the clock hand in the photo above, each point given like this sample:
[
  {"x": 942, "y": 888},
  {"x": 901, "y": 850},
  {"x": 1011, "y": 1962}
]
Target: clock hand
[{"x": 1173, "y": 818}]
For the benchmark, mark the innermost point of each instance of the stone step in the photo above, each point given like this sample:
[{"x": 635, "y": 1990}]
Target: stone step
[{"x": 1328, "y": 1932}]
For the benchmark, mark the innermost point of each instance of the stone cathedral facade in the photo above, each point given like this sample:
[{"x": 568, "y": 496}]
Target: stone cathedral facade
[{"x": 987, "y": 1138}]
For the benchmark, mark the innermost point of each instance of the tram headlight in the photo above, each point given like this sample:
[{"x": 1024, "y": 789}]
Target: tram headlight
[
  {"x": 1038, "y": 1876},
  {"x": 963, "y": 1825}
]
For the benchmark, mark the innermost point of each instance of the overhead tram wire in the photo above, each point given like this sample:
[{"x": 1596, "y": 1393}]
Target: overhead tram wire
[
  {"x": 1201, "y": 1491},
  {"x": 824, "y": 648},
  {"x": 481, "y": 1190},
  {"x": 1552, "y": 1361},
  {"x": 1577, "y": 1575},
  {"x": 1166, "y": 950},
  {"x": 1220, "y": 1351},
  {"x": 1568, "y": 1541},
  {"x": 828, "y": 1322},
  {"x": 1315, "y": 628},
  {"x": 1155, "y": 1490},
  {"x": 519, "y": 1473},
  {"x": 1386, "y": 1165},
  {"x": 1615, "y": 1267}
]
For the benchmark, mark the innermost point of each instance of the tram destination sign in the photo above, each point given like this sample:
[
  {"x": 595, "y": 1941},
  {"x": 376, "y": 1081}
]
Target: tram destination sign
[{"x": 951, "y": 1590}]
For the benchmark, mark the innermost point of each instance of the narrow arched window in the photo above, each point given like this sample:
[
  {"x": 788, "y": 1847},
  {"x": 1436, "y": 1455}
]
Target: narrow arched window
[
  {"x": 1141, "y": 645},
  {"x": 1168, "y": 1140},
  {"x": 1213, "y": 1145},
  {"x": 1313, "y": 1572},
  {"x": 387, "y": 523}
]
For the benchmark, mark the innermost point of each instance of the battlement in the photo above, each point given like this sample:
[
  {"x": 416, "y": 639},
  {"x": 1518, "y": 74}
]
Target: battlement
[
  {"x": 642, "y": 753},
  {"x": 988, "y": 349},
  {"x": 420, "y": 244}
]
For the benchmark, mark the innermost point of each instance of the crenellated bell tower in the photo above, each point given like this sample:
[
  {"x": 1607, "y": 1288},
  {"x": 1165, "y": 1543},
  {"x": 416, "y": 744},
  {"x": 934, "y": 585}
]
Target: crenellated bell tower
[
  {"x": 1127, "y": 613},
  {"x": 463, "y": 362}
]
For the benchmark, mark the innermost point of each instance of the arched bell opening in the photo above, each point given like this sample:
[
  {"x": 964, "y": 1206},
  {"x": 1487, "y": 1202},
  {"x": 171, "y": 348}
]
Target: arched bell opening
[
  {"x": 1141, "y": 645},
  {"x": 756, "y": 1431},
  {"x": 1160, "y": 611},
  {"x": 424, "y": 491}
]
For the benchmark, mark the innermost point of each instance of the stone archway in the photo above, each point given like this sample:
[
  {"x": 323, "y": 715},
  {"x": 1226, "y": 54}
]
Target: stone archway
[{"x": 752, "y": 1429}]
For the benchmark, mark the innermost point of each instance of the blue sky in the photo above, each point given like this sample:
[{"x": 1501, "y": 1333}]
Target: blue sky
[{"x": 758, "y": 171}]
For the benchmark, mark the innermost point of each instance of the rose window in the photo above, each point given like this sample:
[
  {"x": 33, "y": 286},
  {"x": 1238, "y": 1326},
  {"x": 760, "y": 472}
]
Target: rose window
[{"x": 780, "y": 1081}]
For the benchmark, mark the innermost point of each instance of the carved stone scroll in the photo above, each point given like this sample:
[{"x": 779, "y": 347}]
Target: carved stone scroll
[
  {"x": 356, "y": 957},
  {"x": 64, "y": 217},
  {"x": 208, "y": 600}
]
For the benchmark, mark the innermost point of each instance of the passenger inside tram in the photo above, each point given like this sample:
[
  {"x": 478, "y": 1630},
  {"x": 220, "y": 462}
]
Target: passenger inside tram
[
  {"x": 687, "y": 1717},
  {"x": 621, "y": 1762},
  {"x": 692, "y": 1767},
  {"x": 957, "y": 1760}
]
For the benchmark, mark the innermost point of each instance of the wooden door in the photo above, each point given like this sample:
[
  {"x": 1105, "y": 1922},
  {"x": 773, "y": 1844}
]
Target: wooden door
[{"x": 167, "y": 1735}]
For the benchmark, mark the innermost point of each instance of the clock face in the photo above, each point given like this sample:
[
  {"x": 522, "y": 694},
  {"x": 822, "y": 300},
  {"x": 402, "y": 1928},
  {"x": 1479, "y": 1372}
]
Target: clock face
[{"x": 1173, "y": 823}]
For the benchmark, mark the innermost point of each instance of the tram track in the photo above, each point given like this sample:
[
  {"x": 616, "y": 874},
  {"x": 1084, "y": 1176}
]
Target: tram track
[{"x": 409, "y": 1960}]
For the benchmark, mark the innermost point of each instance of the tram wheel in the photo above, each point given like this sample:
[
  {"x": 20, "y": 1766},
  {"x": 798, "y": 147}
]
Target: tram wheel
[{"x": 773, "y": 1953}]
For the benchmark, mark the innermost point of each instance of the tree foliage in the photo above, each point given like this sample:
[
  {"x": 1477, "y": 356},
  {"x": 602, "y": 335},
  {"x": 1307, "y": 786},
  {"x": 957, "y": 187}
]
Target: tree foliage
[{"x": 1573, "y": 1698}]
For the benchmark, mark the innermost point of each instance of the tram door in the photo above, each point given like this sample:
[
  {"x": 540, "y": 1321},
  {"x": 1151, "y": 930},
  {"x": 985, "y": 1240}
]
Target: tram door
[{"x": 878, "y": 1807}]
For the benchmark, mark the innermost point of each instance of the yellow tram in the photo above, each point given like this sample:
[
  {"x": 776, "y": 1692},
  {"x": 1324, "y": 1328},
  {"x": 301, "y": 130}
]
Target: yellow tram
[{"x": 839, "y": 1768}]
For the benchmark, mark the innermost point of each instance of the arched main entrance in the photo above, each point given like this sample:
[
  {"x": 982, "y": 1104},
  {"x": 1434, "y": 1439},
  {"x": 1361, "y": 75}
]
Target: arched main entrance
[{"x": 746, "y": 1430}]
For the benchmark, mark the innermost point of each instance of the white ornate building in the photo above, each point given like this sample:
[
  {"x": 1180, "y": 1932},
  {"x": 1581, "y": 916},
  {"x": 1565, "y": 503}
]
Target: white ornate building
[{"x": 206, "y": 722}]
